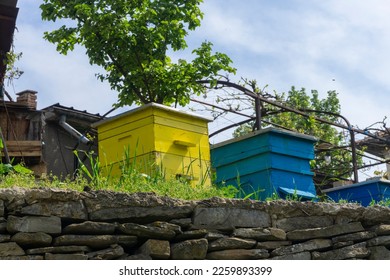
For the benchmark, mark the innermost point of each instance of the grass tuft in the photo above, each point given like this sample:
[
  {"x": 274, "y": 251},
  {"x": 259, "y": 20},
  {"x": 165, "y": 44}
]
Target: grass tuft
[{"x": 129, "y": 180}]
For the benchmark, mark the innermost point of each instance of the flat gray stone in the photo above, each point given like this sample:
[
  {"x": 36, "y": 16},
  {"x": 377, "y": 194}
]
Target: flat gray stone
[
  {"x": 50, "y": 225},
  {"x": 10, "y": 249},
  {"x": 22, "y": 258},
  {"x": 375, "y": 215},
  {"x": 308, "y": 246},
  {"x": 157, "y": 249},
  {"x": 294, "y": 257},
  {"x": 136, "y": 257},
  {"x": 127, "y": 241},
  {"x": 382, "y": 230},
  {"x": 325, "y": 232},
  {"x": 211, "y": 236},
  {"x": 379, "y": 253},
  {"x": 195, "y": 249},
  {"x": 230, "y": 218},
  {"x": 89, "y": 227},
  {"x": 192, "y": 234},
  {"x": 74, "y": 210},
  {"x": 1, "y": 208},
  {"x": 141, "y": 214},
  {"x": 143, "y": 231},
  {"x": 32, "y": 239},
  {"x": 288, "y": 209},
  {"x": 231, "y": 243},
  {"x": 5, "y": 238},
  {"x": 112, "y": 253},
  {"x": 271, "y": 245},
  {"x": 356, "y": 251},
  {"x": 383, "y": 240},
  {"x": 93, "y": 241},
  {"x": 3, "y": 226},
  {"x": 260, "y": 234},
  {"x": 65, "y": 257},
  {"x": 98, "y": 200},
  {"x": 167, "y": 226},
  {"x": 58, "y": 250},
  {"x": 184, "y": 223},
  {"x": 18, "y": 196},
  {"x": 238, "y": 254},
  {"x": 357, "y": 236},
  {"x": 341, "y": 244},
  {"x": 295, "y": 223}
]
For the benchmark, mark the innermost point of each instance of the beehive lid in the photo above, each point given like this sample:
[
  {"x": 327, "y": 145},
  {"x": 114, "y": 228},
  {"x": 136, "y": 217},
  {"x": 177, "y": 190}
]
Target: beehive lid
[
  {"x": 369, "y": 182},
  {"x": 266, "y": 130},
  {"x": 156, "y": 106}
]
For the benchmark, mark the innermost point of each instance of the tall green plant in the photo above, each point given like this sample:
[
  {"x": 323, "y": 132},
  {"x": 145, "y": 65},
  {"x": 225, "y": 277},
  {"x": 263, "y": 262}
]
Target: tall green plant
[
  {"x": 94, "y": 173},
  {"x": 131, "y": 179}
]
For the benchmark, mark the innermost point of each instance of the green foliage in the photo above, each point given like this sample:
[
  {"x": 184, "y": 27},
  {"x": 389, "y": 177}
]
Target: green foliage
[
  {"x": 12, "y": 72},
  {"x": 132, "y": 180},
  {"x": 341, "y": 159},
  {"x": 299, "y": 99},
  {"x": 21, "y": 169},
  {"x": 6, "y": 168},
  {"x": 92, "y": 174},
  {"x": 384, "y": 202},
  {"x": 131, "y": 39},
  {"x": 15, "y": 179},
  {"x": 129, "y": 180}
]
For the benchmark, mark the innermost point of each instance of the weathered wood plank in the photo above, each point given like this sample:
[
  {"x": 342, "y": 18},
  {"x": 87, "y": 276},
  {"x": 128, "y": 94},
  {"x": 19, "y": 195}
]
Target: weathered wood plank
[
  {"x": 33, "y": 144},
  {"x": 24, "y": 148}
]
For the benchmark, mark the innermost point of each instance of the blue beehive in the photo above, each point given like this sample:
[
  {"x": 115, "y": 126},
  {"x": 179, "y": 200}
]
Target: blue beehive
[
  {"x": 376, "y": 189},
  {"x": 266, "y": 162}
]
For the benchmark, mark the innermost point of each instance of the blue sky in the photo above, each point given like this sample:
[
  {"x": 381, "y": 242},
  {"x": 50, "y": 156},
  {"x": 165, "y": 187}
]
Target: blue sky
[{"x": 323, "y": 45}]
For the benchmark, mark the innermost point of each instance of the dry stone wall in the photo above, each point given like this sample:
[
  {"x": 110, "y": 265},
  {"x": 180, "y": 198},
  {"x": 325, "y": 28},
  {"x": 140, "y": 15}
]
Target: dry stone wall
[{"x": 52, "y": 224}]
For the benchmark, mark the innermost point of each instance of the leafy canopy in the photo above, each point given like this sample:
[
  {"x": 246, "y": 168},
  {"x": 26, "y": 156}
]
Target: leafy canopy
[
  {"x": 332, "y": 142},
  {"x": 131, "y": 39}
]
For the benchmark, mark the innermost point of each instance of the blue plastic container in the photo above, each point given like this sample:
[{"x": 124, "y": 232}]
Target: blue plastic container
[
  {"x": 376, "y": 189},
  {"x": 266, "y": 162}
]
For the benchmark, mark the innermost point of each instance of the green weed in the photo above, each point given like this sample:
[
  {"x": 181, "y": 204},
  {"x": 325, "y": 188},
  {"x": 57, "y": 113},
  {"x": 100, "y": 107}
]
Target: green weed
[{"x": 131, "y": 179}]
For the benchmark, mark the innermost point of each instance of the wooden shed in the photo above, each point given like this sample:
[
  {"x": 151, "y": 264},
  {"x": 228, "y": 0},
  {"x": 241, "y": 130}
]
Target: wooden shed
[
  {"x": 45, "y": 140},
  {"x": 21, "y": 126}
]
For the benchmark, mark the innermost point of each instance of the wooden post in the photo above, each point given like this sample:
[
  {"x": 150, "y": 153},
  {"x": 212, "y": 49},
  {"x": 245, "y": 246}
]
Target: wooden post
[
  {"x": 7, "y": 160},
  {"x": 258, "y": 107}
]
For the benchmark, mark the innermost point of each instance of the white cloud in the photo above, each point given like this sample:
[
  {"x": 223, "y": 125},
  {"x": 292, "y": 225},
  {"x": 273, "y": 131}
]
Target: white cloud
[
  {"x": 308, "y": 45},
  {"x": 301, "y": 43},
  {"x": 69, "y": 80}
]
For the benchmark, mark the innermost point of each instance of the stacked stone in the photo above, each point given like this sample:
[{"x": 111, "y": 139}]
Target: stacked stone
[
  {"x": 331, "y": 233},
  {"x": 37, "y": 224}
]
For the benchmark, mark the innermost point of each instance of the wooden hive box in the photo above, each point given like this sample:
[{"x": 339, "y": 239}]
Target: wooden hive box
[
  {"x": 371, "y": 191},
  {"x": 266, "y": 162},
  {"x": 155, "y": 136}
]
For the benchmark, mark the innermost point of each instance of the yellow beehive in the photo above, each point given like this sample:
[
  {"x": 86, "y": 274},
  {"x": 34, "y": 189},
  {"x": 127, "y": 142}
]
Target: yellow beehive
[{"x": 157, "y": 137}]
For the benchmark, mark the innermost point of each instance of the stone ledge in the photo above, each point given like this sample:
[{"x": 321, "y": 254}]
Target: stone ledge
[{"x": 39, "y": 224}]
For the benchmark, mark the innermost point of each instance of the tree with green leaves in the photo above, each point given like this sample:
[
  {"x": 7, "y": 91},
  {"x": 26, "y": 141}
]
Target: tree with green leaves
[
  {"x": 131, "y": 40},
  {"x": 333, "y": 160}
]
